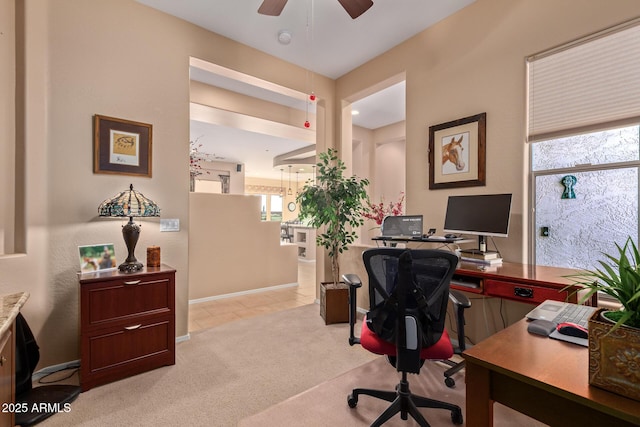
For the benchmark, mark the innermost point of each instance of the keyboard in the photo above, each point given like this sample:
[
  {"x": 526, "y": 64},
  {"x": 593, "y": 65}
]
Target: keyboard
[{"x": 578, "y": 314}]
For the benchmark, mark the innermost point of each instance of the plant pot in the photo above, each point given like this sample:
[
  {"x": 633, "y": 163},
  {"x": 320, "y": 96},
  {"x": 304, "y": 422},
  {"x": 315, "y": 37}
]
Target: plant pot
[
  {"x": 614, "y": 358},
  {"x": 334, "y": 302}
]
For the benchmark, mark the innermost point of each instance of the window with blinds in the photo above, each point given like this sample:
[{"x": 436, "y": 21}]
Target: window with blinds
[
  {"x": 584, "y": 129},
  {"x": 592, "y": 83}
]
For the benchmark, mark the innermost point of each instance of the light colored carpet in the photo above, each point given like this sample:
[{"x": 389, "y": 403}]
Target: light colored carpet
[
  {"x": 285, "y": 369},
  {"x": 224, "y": 374},
  {"x": 326, "y": 404}
]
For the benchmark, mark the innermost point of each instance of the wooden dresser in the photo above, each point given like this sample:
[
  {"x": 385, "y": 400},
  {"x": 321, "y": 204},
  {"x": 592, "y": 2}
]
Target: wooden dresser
[{"x": 127, "y": 323}]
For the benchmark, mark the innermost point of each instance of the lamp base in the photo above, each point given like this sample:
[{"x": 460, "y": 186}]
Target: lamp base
[{"x": 130, "y": 267}]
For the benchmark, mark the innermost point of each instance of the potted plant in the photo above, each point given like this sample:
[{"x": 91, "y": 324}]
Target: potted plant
[
  {"x": 614, "y": 335},
  {"x": 334, "y": 205}
]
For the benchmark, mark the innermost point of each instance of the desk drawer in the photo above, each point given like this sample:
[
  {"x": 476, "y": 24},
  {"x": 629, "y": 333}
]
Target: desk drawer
[{"x": 522, "y": 292}]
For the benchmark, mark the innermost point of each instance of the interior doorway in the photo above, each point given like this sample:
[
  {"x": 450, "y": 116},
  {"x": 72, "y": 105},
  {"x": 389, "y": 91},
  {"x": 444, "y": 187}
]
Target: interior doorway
[
  {"x": 249, "y": 130},
  {"x": 378, "y": 144}
]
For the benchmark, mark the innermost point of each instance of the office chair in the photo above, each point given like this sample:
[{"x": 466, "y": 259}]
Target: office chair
[{"x": 408, "y": 294}]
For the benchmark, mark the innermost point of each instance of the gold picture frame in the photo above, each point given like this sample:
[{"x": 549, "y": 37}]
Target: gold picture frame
[
  {"x": 460, "y": 149},
  {"x": 121, "y": 146}
]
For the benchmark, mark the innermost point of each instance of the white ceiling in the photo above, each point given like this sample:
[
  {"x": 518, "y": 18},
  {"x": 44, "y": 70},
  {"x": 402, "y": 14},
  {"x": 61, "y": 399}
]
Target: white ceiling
[{"x": 324, "y": 39}]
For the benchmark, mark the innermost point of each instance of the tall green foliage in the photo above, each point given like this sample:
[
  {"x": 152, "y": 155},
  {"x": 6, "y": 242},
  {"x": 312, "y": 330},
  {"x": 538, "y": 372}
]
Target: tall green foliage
[
  {"x": 618, "y": 277},
  {"x": 336, "y": 203}
]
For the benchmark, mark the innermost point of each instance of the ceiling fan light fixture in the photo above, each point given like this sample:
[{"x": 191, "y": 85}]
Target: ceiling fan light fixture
[
  {"x": 284, "y": 37},
  {"x": 356, "y": 8}
]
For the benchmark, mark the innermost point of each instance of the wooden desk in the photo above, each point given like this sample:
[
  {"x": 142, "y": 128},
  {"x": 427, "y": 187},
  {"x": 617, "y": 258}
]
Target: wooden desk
[
  {"x": 513, "y": 281},
  {"x": 540, "y": 377},
  {"x": 517, "y": 282}
]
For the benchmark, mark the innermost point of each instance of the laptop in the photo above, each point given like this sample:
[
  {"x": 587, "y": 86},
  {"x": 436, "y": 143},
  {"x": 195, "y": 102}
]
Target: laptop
[
  {"x": 559, "y": 312},
  {"x": 402, "y": 226}
]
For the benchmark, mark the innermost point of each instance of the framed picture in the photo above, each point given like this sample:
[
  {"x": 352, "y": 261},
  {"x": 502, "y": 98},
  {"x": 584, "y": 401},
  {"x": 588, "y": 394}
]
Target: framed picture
[
  {"x": 97, "y": 257},
  {"x": 121, "y": 146},
  {"x": 457, "y": 153}
]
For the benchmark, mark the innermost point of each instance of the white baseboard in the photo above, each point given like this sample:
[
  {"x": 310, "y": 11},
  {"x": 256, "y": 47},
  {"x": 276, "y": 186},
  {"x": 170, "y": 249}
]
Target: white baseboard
[
  {"x": 183, "y": 338},
  {"x": 249, "y": 292}
]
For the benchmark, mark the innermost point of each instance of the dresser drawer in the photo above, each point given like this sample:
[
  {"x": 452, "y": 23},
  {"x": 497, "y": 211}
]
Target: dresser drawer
[
  {"x": 522, "y": 292},
  {"x": 115, "y": 353},
  {"x": 123, "y": 299},
  {"x": 116, "y": 346}
]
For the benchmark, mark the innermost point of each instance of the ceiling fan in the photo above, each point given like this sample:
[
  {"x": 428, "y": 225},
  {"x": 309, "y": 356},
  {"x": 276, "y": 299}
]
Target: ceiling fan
[{"x": 354, "y": 8}]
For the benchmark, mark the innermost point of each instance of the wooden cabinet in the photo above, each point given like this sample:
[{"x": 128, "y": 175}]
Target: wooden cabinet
[{"x": 127, "y": 324}]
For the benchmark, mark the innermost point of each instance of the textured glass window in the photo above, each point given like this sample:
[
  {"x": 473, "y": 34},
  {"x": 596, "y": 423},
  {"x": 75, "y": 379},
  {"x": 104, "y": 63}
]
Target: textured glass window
[
  {"x": 575, "y": 232},
  {"x": 597, "y": 148}
]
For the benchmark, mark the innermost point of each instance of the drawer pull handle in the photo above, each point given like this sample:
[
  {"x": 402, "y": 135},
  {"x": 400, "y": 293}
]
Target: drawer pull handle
[
  {"x": 523, "y": 292},
  {"x": 2, "y": 360},
  {"x": 134, "y": 327},
  {"x": 132, "y": 282}
]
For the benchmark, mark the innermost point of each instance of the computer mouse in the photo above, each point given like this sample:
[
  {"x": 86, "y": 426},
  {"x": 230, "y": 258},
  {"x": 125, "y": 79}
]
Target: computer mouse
[
  {"x": 572, "y": 329},
  {"x": 450, "y": 236}
]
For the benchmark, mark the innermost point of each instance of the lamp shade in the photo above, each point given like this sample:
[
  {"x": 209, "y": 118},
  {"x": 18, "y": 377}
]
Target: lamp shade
[{"x": 129, "y": 203}]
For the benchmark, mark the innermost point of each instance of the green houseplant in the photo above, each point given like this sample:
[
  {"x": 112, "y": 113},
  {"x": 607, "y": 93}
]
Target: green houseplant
[
  {"x": 334, "y": 204},
  {"x": 614, "y": 343},
  {"x": 618, "y": 277}
]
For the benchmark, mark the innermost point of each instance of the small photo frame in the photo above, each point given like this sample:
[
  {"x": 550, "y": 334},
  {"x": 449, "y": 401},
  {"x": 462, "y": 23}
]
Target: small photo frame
[
  {"x": 97, "y": 258},
  {"x": 121, "y": 146},
  {"x": 457, "y": 153}
]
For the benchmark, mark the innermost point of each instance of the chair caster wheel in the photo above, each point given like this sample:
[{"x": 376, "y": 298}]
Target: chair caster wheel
[
  {"x": 352, "y": 401},
  {"x": 456, "y": 416},
  {"x": 450, "y": 382}
]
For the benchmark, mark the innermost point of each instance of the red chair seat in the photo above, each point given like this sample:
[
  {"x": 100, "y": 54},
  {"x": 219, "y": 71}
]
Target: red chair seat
[{"x": 441, "y": 350}]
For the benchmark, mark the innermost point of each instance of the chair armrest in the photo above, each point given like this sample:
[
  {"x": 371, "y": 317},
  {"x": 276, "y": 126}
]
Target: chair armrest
[
  {"x": 354, "y": 283},
  {"x": 352, "y": 280},
  {"x": 461, "y": 303},
  {"x": 459, "y": 299}
]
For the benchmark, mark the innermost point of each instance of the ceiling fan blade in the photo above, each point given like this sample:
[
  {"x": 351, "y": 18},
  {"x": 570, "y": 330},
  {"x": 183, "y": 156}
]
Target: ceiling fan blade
[
  {"x": 272, "y": 7},
  {"x": 356, "y": 8}
]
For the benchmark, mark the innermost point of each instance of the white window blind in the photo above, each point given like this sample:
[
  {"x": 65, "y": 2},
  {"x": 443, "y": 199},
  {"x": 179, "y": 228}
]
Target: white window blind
[{"x": 588, "y": 84}]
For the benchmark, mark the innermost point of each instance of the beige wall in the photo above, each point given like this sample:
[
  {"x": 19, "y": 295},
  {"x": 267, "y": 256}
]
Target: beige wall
[
  {"x": 79, "y": 64},
  {"x": 7, "y": 123},
  {"x": 469, "y": 63},
  {"x": 473, "y": 62},
  {"x": 233, "y": 250}
]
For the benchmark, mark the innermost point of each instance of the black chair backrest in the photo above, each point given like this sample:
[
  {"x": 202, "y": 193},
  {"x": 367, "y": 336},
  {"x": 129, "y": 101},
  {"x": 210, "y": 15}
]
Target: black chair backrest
[{"x": 431, "y": 272}]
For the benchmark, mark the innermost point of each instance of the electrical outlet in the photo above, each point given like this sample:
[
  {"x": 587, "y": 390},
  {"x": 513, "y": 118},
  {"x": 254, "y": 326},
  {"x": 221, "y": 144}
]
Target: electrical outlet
[{"x": 170, "y": 224}]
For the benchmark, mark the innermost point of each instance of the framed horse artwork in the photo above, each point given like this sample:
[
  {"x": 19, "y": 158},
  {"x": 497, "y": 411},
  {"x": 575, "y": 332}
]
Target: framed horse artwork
[{"x": 457, "y": 153}]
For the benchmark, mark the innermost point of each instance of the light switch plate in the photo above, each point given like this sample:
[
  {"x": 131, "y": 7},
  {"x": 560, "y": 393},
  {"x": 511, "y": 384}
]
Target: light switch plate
[{"x": 172, "y": 224}]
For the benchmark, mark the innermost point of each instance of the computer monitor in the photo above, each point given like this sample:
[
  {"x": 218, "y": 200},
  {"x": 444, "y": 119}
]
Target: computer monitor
[{"x": 480, "y": 215}]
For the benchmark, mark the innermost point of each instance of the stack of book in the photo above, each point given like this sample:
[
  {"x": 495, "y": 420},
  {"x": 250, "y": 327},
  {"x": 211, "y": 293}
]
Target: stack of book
[{"x": 488, "y": 257}]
